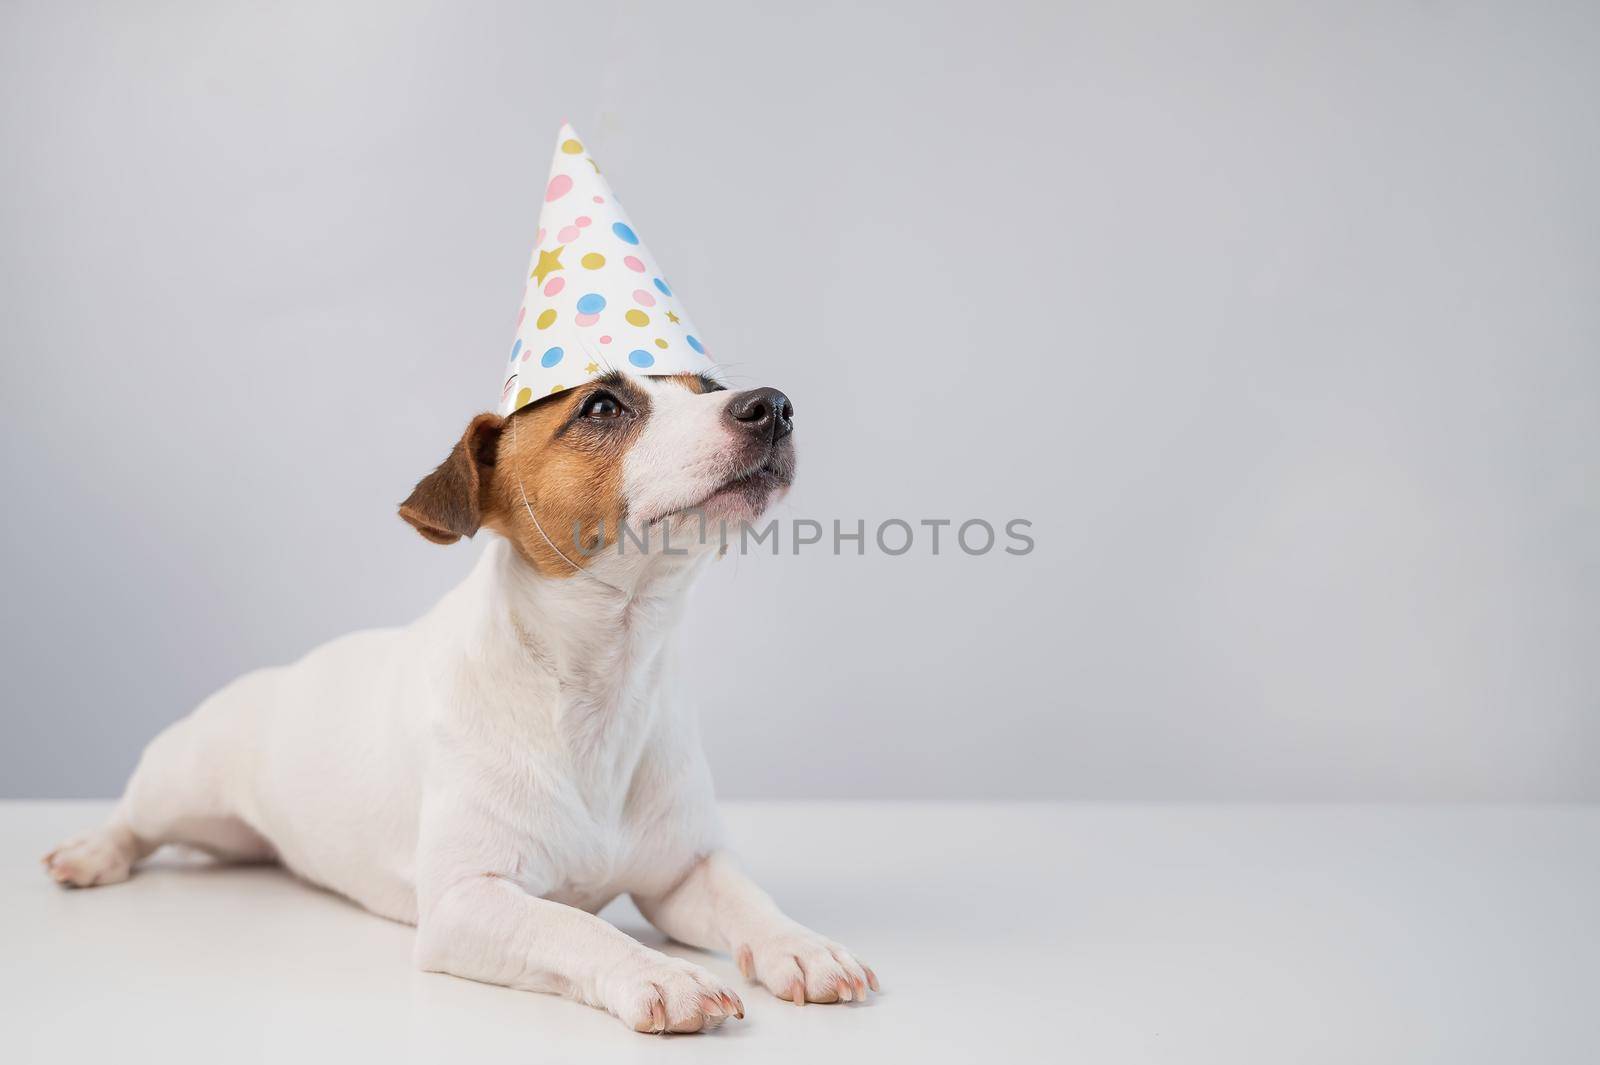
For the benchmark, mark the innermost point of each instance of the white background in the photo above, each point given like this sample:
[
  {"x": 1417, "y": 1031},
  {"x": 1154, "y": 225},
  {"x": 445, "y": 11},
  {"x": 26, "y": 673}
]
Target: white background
[{"x": 1280, "y": 322}]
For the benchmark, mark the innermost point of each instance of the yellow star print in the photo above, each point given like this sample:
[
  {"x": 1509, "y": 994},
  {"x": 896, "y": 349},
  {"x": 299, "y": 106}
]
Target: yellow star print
[
  {"x": 593, "y": 367},
  {"x": 549, "y": 263},
  {"x": 673, "y": 318}
]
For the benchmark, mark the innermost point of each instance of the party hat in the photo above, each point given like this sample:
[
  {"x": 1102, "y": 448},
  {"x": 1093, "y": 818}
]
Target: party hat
[{"x": 596, "y": 299}]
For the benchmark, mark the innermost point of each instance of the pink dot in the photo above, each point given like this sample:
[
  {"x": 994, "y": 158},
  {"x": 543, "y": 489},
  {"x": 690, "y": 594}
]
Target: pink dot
[
  {"x": 559, "y": 186},
  {"x": 599, "y": 199},
  {"x": 643, "y": 298},
  {"x": 568, "y": 234},
  {"x": 605, "y": 340},
  {"x": 540, "y": 238},
  {"x": 520, "y": 316},
  {"x": 582, "y": 220},
  {"x": 633, "y": 264},
  {"x": 554, "y": 285},
  {"x": 586, "y": 319}
]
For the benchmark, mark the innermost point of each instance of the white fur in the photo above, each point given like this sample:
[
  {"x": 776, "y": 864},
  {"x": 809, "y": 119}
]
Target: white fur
[
  {"x": 496, "y": 773},
  {"x": 682, "y": 455}
]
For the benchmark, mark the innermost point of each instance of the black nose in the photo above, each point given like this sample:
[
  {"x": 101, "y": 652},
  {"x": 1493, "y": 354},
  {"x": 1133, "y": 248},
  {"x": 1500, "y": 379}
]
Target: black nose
[{"x": 763, "y": 412}]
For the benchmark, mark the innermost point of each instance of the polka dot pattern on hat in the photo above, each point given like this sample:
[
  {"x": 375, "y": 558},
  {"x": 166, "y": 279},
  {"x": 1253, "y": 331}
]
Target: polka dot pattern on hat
[{"x": 596, "y": 300}]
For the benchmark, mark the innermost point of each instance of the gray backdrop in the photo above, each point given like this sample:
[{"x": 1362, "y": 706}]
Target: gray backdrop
[{"x": 1280, "y": 322}]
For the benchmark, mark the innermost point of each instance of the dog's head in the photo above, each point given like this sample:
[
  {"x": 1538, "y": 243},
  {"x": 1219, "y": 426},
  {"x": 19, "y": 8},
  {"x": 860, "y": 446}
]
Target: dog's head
[{"x": 566, "y": 473}]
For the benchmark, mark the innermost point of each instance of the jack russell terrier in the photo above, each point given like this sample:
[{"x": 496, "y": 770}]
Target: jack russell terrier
[{"x": 501, "y": 769}]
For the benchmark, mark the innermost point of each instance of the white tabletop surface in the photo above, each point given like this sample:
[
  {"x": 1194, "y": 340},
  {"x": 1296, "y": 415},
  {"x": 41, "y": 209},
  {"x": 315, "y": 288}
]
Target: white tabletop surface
[{"x": 1004, "y": 933}]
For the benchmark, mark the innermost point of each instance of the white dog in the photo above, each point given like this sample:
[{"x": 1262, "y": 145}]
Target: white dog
[{"x": 505, "y": 766}]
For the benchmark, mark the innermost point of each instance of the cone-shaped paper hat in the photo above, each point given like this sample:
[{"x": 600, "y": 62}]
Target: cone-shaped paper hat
[{"x": 597, "y": 299}]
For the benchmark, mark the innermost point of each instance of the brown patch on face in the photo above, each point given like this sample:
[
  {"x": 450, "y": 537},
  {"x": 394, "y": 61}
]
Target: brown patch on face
[
  {"x": 565, "y": 455},
  {"x": 698, "y": 383},
  {"x": 562, "y": 455}
]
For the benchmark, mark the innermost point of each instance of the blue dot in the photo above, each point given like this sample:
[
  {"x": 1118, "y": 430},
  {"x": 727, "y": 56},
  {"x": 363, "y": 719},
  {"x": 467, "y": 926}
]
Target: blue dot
[
  {"x": 551, "y": 357},
  {"x": 641, "y": 358},
  {"x": 624, "y": 234},
  {"x": 516, "y": 349},
  {"x": 662, "y": 285},
  {"x": 593, "y": 303},
  {"x": 694, "y": 342}
]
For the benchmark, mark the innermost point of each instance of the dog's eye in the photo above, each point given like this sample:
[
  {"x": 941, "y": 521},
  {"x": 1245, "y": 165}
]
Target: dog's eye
[{"x": 602, "y": 405}]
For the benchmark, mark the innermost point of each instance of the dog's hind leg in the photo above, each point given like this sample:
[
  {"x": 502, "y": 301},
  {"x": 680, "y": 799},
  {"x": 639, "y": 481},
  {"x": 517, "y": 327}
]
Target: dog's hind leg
[
  {"x": 104, "y": 856},
  {"x": 178, "y": 794}
]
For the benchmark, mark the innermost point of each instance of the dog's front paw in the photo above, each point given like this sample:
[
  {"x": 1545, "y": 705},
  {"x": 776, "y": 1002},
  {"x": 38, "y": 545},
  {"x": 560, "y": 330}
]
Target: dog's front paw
[
  {"x": 801, "y": 966},
  {"x": 657, "y": 993}
]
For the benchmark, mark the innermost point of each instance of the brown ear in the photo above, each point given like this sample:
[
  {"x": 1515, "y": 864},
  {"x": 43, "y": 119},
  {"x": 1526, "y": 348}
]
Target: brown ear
[{"x": 448, "y": 503}]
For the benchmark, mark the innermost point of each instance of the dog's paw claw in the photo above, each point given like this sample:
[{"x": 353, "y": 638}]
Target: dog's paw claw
[
  {"x": 657, "y": 994},
  {"x": 802, "y": 967}
]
